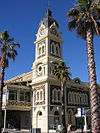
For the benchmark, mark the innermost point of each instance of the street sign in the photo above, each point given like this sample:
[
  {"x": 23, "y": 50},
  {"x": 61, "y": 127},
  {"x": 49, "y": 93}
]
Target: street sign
[
  {"x": 79, "y": 112},
  {"x": 83, "y": 111}
]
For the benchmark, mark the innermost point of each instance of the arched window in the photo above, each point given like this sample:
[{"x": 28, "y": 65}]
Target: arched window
[
  {"x": 57, "y": 50},
  {"x": 40, "y": 113},
  {"x": 82, "y": 102},
  {"x": 37, "y": 96},
  {"x": 59, "y": 95},
  {"x": 55, "y": 95},
  {"x": 75, "y": 98},
  {"x": 27, "y": 96},
  {"x": 52, "y": 48},
  {"x": 13, "y": 95},
  {"x": 69, "y": 97},
  {"x": 86, "y": 99},
  {"x": 78, "y": 97},
  {"x": 42, "y": 49},
  {"x": 21, "y": 96}
]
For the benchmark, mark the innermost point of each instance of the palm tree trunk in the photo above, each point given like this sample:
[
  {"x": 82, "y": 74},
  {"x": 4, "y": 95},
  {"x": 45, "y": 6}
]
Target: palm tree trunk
[
  {"x": 63, "y": 121},
  {"x": 1, "y": 88},
  {"x": 95, "y": 124},
  {"x": 1, "y": 94}
]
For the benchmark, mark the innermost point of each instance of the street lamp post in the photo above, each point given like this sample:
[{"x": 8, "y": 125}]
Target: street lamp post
[{"x": 81, "y": 120}]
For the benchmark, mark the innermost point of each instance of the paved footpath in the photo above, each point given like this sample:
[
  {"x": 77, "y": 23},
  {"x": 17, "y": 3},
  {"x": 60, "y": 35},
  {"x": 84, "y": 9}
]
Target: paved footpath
[
  {"x": 27, "y": 131},
  {"x": 80, "y": 131}
]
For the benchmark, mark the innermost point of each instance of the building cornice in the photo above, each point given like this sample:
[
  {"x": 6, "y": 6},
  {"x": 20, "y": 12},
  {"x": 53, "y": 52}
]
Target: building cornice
[{"x": 21, "y": 78}]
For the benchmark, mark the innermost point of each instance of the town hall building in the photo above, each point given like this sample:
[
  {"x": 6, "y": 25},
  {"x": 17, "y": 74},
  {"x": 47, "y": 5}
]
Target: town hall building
[{"x": 36, "y": 96}]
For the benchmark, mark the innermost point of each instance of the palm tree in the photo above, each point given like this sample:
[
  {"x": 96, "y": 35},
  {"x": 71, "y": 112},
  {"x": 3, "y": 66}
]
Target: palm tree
[
  {"x": 62, "y": 73},
  {"x": 7, "y": 50},
  {"x": 85, "y": 18}
]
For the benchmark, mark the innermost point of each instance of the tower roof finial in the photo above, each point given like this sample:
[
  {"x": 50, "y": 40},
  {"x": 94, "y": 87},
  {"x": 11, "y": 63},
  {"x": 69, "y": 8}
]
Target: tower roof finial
[{"x": 48, "y": 4}]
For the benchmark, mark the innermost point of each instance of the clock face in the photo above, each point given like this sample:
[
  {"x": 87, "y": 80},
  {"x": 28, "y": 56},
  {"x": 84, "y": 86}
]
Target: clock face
[
  {"x": 54, "y": 31},
  {"x": 39, "y": 69},
  {"x": 42, "y": 31}
]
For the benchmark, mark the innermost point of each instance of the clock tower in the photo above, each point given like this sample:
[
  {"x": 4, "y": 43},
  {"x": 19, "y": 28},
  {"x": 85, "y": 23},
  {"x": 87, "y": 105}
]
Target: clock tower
[{"x": 45, "y": 86}]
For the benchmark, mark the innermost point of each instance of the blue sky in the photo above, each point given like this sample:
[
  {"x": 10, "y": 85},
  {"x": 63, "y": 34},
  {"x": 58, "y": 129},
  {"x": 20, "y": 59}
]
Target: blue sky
[{"x": 22, "y": 17}]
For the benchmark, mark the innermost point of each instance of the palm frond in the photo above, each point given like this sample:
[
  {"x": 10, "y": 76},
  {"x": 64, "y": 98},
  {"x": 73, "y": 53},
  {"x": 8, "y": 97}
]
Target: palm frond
[
  {"x": 81, "y": 30},
  {"x": 6, "y": 63},
  {"x": 8, "y": 55},
  {"x": 72, "y": 25},
  {"x": 62, "y": 72},
  {"x": 73, "y": 12},
  {"x": 95, "y": 9},
  {"x": 79, "y": 18},
  {"x": 13, "y": 56},
  {"x": 9, "y": 47},
  {"x": 10, "y": 40},
  {"x": 15, "y": 52},
  {"x": 16, "y": 44},
  {"x": 98, "y": 23},
  {"x": 83, "y": 5},
  {"x": 4, "y": 35},
  {"x": 95, "y": 25},
  {"x": 88, "y": 11}
]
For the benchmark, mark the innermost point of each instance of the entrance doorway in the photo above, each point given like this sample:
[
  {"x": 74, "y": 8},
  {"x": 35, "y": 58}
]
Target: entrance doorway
[
  {"x": 13, "y": 119},
  {"x": 39, "y": 120}
]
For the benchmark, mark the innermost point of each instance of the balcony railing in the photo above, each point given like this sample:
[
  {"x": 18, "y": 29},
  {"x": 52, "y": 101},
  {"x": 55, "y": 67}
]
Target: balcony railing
[{"x": 17, "y": 104}]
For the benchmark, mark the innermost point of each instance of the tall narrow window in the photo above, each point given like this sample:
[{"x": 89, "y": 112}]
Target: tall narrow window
[
  {"x": 52, "y": 48},
  {"x": 21, "y": 96},
  {"x": 75, "y": 99},
  {"x": 78, "y": 97},
  {"x": 86, "y": 99},
  {"x": 12, "y": 95},
  {"x": 69, "y": 97},
  {"x": 37, "y": 96},
  {"x": 59, "y": 95},
  {"x": 41, "y": 95},
  {"x": 27, "y": 96},
  {"x": 39, "y": 51},
  {"x": 57, "y": 50},
  {"x": 42, "y": 49},
  {"x": 55, "y": 95}
]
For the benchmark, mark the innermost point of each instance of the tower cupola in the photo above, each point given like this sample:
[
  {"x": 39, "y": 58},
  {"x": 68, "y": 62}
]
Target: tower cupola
[{"x": 48, "y": 20}]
